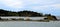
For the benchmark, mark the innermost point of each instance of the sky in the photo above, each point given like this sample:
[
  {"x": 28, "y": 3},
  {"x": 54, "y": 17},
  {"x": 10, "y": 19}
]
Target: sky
[{"x": 41, "y": 6}]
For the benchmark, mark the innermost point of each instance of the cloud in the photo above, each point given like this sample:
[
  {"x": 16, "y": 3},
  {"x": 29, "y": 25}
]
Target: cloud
[
  {"x": 40, "y": 1},
  {"x": 13, "y": 3},
  {"x": 24, "y": 3},
  {"x": 46, "y": 6},
  {"x": 56, "y": 5}
]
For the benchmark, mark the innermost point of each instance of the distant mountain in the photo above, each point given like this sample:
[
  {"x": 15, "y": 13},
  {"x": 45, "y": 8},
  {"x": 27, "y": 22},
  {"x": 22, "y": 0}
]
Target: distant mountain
[
  {"x": 7, "y": 13},
  {"x": 29, "y": 13},
  {"x": 21, "y": 13}
]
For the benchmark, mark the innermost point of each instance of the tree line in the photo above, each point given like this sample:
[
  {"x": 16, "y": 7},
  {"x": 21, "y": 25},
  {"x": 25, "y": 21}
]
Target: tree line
[{"x": 21, "y": 13}]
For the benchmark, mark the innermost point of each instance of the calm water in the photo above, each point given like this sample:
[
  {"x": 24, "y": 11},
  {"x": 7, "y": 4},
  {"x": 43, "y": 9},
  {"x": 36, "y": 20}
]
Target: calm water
[{"x": 29, "y": 24}]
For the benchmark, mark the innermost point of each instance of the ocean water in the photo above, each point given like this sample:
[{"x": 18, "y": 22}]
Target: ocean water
[{"x": 29, "y": 24}]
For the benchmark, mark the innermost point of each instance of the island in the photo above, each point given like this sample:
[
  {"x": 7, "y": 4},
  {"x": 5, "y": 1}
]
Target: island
[{"x": 27, "y": 14}]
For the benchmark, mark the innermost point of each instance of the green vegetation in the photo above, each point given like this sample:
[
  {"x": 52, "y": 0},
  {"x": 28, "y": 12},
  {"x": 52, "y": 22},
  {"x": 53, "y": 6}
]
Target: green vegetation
[
  {"x": 21, "y": 19},
  {"x": 20, "y": 13}
]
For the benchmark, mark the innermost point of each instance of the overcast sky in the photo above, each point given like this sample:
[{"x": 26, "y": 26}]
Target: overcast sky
[{"x": 43, "y": 6}]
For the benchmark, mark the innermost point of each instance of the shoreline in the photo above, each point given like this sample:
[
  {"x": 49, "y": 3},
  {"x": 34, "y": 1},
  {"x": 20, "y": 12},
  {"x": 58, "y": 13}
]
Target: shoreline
[{"x": 25, "y": 20}]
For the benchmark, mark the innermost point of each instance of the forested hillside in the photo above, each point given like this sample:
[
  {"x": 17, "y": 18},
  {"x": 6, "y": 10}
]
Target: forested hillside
[{"x": 20, "y": 13}]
